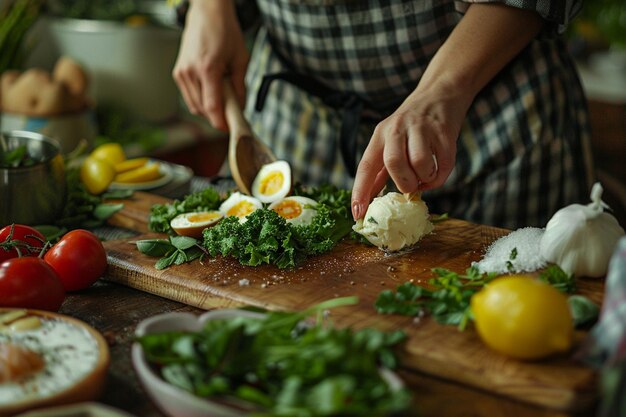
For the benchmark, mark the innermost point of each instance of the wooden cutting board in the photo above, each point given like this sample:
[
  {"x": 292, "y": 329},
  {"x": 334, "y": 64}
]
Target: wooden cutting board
[{"x": 355, "y": 269}]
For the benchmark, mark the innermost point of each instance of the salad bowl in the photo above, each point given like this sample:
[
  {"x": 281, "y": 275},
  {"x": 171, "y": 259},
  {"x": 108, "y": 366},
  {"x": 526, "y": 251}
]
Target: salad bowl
[{"x": 176, "y": 402}]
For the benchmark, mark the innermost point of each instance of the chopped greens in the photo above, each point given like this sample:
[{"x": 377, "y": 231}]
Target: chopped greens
[
  {"x": 448, "y": 300},
  {"x": 283, "y": 365}
]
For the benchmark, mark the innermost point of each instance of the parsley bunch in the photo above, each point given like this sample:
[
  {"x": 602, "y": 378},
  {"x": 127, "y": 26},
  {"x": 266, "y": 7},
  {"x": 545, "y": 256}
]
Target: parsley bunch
[{"x": 283, "y": 366}]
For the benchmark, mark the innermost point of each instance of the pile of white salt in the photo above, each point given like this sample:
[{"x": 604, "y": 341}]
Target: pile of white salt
[{"x": 514, "y": 253}]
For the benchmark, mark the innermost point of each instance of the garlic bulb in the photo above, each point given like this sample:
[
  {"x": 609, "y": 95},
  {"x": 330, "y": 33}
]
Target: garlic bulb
[{"x": 580, "y": 239}]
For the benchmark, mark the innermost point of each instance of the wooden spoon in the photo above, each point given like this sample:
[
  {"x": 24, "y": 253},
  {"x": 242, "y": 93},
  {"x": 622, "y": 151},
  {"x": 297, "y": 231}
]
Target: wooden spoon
[{"x": 246, "y": 153}]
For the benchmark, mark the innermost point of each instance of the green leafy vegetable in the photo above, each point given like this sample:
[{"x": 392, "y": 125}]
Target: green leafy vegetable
[
  {"x": 173, "y": 251},
  {"x": 266, "y": 238},
  {"x": 559, "y": 279},
  {"x": 15, "y": 158},
  {"x": 448, "y": 299},
  {"x": 162, "y": 214},
  {"x": 284, "y": 366},
  {"x": 584, "y": 311},
  {"x": 83, "y": 210}
]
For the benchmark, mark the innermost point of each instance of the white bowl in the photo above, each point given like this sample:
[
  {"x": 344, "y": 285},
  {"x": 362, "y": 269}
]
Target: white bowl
[
  {"x": 177, "y": 402},
  {"x": 172, "y": 400}
]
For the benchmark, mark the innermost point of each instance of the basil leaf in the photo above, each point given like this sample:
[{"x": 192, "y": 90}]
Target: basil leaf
[
  {"x": 182, "y": 242},
  {"x": 166, "y": 261},
  {"x": 584, "y": 311},
  {"x": 104, "y": 211},
  {"x": 154, "y": 247}
]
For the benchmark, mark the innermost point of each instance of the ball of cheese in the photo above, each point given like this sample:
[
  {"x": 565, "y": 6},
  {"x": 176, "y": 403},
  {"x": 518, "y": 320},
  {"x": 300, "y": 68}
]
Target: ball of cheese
[{"x": 394, "y": 221}]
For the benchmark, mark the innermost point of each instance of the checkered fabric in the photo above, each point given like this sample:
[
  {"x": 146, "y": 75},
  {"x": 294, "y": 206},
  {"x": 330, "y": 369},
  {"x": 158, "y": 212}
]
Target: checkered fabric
[
  {"x": 523, "y": 151},
  {"x": 605, "y": 347}
]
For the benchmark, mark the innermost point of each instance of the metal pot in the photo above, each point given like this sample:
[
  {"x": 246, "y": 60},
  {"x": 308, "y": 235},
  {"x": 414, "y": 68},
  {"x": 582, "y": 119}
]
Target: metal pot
[{"x": 32, "y": 194}]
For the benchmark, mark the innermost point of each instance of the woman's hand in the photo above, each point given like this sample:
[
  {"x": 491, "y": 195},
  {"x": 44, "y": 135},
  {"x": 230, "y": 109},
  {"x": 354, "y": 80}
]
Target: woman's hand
[
  {"x": 415, "y": 146},
  {"x": 212, "y": 48}
]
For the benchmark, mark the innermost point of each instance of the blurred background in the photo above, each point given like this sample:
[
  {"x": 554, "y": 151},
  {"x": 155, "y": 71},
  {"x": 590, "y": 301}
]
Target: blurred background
[{"x": 127, "y": 50}]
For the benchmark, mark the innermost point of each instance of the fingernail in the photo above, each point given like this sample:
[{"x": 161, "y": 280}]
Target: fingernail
[{"x": 357, "y": 210}]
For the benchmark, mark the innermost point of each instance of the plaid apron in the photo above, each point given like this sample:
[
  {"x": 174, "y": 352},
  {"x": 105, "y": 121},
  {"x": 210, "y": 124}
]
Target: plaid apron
[{"x": 326, "y": 72}]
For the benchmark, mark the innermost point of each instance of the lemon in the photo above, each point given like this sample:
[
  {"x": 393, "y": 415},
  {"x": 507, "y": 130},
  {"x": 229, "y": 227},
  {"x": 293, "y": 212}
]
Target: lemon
[
  {"x": 523, "y": 317},
  {"x": 144, "y": 173},
  {"x": 113, "y": 153},
  {"x": 129, "y": 164},
  {"x": 96, "y": 174}
]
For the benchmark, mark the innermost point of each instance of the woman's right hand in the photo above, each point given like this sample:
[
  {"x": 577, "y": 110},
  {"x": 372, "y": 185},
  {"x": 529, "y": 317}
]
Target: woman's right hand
[{"x": 212, "y": 47}]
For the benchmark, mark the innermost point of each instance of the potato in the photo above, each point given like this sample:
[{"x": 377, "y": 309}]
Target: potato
[
  {"x": 6, "y": 82},
  {"x": 23, "y": 95},
  {"x": 51, "y": 100},
  {"x": 71, "y": 74}
]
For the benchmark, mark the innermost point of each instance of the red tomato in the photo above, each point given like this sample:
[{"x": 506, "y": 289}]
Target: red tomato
[
  {"x": 28, "y": 240},
  {"x": 30, "y": 282},
  {"x": 78, "y": 258}
]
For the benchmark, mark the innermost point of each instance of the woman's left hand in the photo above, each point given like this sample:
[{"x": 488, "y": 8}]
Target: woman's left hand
[{"x": 415, "y": 146}]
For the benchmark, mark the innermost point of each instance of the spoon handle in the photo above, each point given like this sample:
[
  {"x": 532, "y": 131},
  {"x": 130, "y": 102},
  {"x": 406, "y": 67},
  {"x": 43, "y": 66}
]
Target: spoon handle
[{"x": 237, "y": 124}]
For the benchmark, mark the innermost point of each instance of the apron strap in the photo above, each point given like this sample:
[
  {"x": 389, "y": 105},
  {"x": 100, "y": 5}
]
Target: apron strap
[{"x": 349, "y": 103}]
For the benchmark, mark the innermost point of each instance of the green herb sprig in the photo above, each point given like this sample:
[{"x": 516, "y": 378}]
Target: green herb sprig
[
  {"x": 448, "y": 299},
  {"x": 283, "y": 365}
]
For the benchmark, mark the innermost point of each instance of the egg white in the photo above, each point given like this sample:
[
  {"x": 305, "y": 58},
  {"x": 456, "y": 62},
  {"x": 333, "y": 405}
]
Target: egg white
[
  {"x": 230, "y": 205},
  {"x": 304, "y": 205},
  {"x": 192, "y": 224},
  {"x": 273, "y": 182}
]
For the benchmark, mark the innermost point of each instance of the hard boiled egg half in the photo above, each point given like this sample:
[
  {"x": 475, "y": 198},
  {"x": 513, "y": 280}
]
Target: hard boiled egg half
[
  {"x": 296, "y": 210},
  {"x": 273, "y": 182},
  {"x": 239, "y": 205},
  {"x": 192, "y": 224}
]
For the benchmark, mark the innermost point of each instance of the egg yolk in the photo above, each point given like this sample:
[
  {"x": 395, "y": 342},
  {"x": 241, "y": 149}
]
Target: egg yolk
[
  {"x": 241, "y": 209},
  {"x": 203, "y": 217},
  {"x": 288, "y": 209},
  {"x": 272, "y": 183}
]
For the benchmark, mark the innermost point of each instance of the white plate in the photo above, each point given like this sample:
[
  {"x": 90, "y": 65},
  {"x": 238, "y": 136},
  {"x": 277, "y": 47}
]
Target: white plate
[
  {"x": 166, "y": 176},
  {"x": 85, "y": 385}
]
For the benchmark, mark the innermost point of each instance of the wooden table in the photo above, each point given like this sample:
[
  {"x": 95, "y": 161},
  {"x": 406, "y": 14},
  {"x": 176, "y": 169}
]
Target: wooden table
[{"x": 115, "y": 310}]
